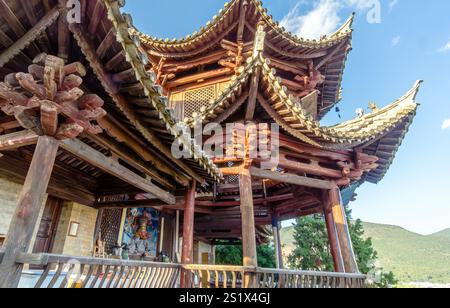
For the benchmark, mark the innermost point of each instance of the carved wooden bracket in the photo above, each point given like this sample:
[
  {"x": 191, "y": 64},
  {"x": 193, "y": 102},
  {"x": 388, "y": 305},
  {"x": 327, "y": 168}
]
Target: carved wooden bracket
[{"x": 49, "y": 101}]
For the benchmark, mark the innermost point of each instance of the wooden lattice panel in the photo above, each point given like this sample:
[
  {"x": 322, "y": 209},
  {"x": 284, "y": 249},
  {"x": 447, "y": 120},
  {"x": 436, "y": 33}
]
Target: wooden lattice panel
[
  {"x": 194, "y": 100},
  {"x": 231, "y": 179},
  {"x": 110, "y": 228},
  {"x": 188, "y": 102}
]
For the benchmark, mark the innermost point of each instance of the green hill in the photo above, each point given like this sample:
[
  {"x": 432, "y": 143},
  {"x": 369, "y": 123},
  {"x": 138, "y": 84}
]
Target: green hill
[
  {"x": 412, "y": 257},
  {"x": 445, "y": 233}
]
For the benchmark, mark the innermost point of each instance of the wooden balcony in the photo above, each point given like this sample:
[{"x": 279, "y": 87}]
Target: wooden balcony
[{"x": 78, "y": 272}]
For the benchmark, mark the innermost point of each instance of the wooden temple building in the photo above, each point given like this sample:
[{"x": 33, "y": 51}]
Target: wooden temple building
[{"x": 92, "y": 109}]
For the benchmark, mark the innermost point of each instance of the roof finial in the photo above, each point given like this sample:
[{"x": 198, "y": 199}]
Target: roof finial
[{"x": 373, "y": 106}]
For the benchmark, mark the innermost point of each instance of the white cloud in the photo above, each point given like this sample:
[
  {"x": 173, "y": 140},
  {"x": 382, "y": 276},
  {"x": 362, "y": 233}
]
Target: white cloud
[
  {"x": 446, "y": 124},
  {"x": 445, "y": 48},
  {"x": 323, "y": 19},
  {"x": 395, "y": 41}
]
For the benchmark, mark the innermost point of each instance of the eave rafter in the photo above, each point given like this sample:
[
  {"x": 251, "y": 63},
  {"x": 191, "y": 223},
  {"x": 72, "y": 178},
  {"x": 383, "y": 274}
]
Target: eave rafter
[
  {"x": 121, "y": 24},
  {"x": 30, "y": 36},
  {"x": 288, "y": 111}
]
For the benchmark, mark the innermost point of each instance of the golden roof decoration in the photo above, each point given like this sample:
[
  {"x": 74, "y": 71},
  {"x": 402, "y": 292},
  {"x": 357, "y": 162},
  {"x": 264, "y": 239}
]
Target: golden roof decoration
[{"x": 344, "y": 32}]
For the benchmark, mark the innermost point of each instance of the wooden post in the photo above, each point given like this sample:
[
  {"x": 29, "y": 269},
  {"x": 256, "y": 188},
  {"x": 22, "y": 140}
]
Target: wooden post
[
  {"x": 333, "y": 237},
  {"x": 343, "y": 234},
  {"x": 26, "y": 216},
  {"x": 248, "y": 225},
  {"x": 187, "y": 256},
  {"x": 161, "y": 236},
  {"x": 177, "y": 236},
  {"x": 277, "y": 242}
]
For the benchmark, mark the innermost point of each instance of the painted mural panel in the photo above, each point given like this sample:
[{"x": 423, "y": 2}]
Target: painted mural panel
[{"x": 141, "y": 231}]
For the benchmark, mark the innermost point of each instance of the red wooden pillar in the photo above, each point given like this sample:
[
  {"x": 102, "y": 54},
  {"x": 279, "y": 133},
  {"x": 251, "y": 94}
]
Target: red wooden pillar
[
  {"x": 333, "y": 237},
  {"x": 26, "y": 216},
  {"x": 187, "y": 255},
  {"x": 248, "y": 225},
  {"x": 343, "y": 234}
]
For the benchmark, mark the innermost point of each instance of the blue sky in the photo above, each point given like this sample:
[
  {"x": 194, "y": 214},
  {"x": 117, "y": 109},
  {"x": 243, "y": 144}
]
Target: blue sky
[{"x": 411, "y": 42}]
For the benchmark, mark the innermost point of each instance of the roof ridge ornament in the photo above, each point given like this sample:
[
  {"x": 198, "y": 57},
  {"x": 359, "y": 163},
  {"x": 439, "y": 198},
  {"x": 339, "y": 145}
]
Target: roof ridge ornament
[{"x": 260, "y": 40}]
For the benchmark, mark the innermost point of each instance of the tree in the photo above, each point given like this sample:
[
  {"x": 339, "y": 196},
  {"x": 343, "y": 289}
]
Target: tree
[
  {"x": 312, "y": 250},
  {"x": 232, "y": 255}
]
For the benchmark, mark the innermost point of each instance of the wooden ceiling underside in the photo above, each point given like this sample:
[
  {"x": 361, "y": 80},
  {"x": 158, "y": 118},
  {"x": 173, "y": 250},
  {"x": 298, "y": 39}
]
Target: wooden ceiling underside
[{"x": 35, "y": 22}]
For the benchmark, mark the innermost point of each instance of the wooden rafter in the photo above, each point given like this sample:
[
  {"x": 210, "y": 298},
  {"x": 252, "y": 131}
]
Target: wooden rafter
[
  {"x": 16, "y": 140},
  {"x": 30, "y": 36},
  {"x": 112, "y": 167},
  {"x": 112, "y": 90},
  {"x": 291, "y": 179},
  {"x": 253, "y": 93}
]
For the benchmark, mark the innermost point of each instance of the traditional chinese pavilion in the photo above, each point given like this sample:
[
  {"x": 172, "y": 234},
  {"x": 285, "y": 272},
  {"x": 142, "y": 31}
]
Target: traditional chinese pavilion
[{"x": 91, "y": 112}]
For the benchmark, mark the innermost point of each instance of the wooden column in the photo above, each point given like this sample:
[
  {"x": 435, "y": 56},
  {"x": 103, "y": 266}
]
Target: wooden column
[
  {"x": 333, "y": 237},
  {"x": 26, "y": 216},
  {"x": 277, "y": 242},
  {"x": 177, "y": 236},
  {"x": 248, "y": 224},
  {"x": 187, "y": 256},
  {"x": 343, "y": 234}
]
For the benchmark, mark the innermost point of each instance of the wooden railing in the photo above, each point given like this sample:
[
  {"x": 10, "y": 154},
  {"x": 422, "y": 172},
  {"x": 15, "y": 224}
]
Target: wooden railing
[
  {"x": 212, "y": 276},
  {"x": 208, "y": 276},
  {"x": 287, "y": 279},
  {"x": 74, "y": 272},
  {"x": 78, "y": 272}
]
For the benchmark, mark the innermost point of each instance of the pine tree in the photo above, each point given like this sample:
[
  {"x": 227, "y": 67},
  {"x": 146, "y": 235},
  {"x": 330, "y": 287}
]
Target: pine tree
[{"x": 311, "y": 250}]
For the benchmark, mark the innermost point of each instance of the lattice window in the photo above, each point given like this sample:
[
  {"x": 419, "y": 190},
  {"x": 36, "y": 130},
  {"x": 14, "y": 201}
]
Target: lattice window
[
  {"x": 232, "y": 179},
  {"x": 110, "y": 228},
  {"x": 194, "y": 100}
]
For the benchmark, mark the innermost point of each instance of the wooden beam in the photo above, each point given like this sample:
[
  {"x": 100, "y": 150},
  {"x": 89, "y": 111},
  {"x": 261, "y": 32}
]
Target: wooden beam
[
  {"x": 248, "y": 225},
  {"x": 11, "y": 19},
  {"x": 152, "y": 203},
  {"x": 200, "y": 77},
  {"x": 26, "y": 215},
  {"x": 108, "y": 165},
  {"x": 96, "y": 17},
  {"x": 178, "y": 66},
  {"x": 332, "y": 235},
  {"x": 125, "y": 136},
  {"x": 291, "y": 179},
  {"x": 66, "y": 183},
  {"x": 63, "y": 38},
  {"x": 187, "y": 256},
  {"x": 340, "y": 220},
  {"x": 253, "y": 93},
  {"x": 277, "y": 243},
  {"x": 261, "y": 201},
  {"x": 330, "y": 55},
  {"x": 17, "y": 140},
  {"x": 242, "y": 15},
  {"x": 29, "y": 37},
  {"x": 131, "y": 159}
]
